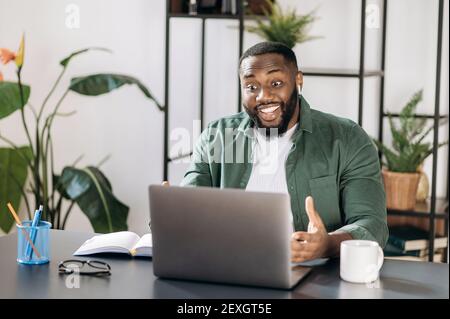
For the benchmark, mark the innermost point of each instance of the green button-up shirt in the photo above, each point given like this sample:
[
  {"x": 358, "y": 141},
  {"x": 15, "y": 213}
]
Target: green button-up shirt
[{"x": 332, "y": 159}]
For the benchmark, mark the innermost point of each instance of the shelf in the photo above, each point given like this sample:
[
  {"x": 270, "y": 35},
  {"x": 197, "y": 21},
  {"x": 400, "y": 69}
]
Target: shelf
[
  {"x": 204, "y": 16},
  {"x": 349, "y": 73},
  {"x": 215, "y": 16},
  {"x": 427, "y": 116},
  {"x": 422, "y": 209},
  {"x": 179, "y": 157}
]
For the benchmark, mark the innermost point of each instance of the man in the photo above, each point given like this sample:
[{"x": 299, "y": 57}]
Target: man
[{"x": 318, "y": 156}]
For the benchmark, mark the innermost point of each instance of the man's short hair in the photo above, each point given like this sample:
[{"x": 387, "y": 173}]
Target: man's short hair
[{"x": 270, "y": 47}]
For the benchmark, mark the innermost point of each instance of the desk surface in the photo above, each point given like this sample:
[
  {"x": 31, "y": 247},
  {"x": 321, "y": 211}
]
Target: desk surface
[{"x": 133, "y": 278}]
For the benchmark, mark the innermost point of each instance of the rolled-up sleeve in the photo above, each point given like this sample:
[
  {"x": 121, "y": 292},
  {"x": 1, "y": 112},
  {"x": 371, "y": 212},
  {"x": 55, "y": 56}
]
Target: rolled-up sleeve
[
  {"x": 362, "y": 196},
  {"x": 198, "y": 173}
]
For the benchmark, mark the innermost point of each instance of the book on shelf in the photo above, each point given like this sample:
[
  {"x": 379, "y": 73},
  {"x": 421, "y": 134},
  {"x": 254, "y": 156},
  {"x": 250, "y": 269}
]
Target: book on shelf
[
  {"x": 393, "y": 251},
  {"x": 437, "y": 258},
  {"x": 411, "y": 238}
]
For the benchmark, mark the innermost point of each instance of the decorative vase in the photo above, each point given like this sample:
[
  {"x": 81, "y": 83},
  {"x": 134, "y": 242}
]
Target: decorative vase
[
  {"x": 424, "y": 186},
  {"x": 401, "y": 189}
]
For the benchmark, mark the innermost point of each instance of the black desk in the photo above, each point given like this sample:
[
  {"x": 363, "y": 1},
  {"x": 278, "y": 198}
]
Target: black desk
[{"x": 133, "y": 278}]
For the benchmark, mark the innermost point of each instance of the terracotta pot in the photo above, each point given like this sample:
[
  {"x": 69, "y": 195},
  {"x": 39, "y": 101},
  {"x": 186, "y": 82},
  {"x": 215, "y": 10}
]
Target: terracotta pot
[{"x": 401, "y": 189}]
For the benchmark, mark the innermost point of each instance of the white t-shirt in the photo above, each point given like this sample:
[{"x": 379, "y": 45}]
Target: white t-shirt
[{"x": 269, "y": 158}]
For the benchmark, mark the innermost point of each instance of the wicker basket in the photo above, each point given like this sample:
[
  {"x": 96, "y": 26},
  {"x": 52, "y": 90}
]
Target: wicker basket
[{"x": 401, "y": 189}]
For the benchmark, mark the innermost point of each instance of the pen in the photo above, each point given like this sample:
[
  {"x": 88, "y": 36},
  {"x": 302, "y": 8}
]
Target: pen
[
  {"x": 35, "y": 223},
  {"x": 19, "y": 222}
]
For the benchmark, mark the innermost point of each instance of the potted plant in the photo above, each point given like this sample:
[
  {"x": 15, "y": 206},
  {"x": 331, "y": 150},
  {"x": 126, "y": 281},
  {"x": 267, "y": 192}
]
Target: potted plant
[
  {"x": 286, "y": 27},
  {"x": 401, "y": 171},
  {"x": 29, "y": 169}
]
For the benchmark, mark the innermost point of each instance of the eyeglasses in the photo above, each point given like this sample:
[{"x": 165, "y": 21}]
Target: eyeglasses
[{"x": 96, "y": 267}]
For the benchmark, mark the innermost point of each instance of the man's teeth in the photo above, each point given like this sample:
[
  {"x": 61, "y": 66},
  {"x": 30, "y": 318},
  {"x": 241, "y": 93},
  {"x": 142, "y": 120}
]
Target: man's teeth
[{"x": 270, "y": 109}]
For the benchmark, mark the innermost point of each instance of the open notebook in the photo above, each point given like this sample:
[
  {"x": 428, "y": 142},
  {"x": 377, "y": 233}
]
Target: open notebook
[{"x": 120, "y": 242}]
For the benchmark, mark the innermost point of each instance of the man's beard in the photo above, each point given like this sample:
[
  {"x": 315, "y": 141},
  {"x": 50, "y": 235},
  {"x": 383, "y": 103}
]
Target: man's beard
[{"x": 287, "y": 110}]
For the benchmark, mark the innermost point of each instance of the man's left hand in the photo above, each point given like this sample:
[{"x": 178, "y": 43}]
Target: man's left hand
[{"x": 315, "y": 242}]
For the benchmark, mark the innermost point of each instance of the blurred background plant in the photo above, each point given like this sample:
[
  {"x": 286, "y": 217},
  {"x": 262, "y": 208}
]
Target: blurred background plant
[
  {"x": 286, "y": 27},
  {"x": 29, "y": 169},
  {"x": 402, "y": 163},
  {"x": 408, "y": 147}
]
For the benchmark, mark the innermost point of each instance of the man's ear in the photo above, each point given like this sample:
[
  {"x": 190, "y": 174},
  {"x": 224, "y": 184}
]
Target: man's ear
[{"x": 299, "y": 80}]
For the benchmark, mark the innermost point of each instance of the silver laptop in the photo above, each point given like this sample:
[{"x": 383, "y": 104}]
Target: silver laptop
[{"x": 222, "y": 235}]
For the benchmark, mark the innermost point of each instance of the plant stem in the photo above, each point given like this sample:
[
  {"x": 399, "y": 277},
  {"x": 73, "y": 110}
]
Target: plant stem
[
  {"x": 33, "y": 111},
  {"x": 44, "y": 148},
  {"x": 41, "y": 155},
  {"x": 79, "y": 158},
  {"x": 67, "y": 215},
  {"x": 52, "y": 169},
  {"x": 58, "y": 212},
  {"x": 50, "y": 93},
  {"x": 27, "y": 203},
  {"x": 22, "y": 101},
  {"x": 104, "y": 160},
  {"x": 57, "y": 208},
  {"x": 37, "y": 160},
  {"x": 35, "y": 171},
  {"x": 49, "y": 122},
  {"x": 45, "y": 182}
]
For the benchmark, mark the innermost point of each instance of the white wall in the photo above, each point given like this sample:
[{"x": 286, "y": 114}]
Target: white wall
[
  {"x": 130, "y": 128},
  {"x": 124, "y": 123}
]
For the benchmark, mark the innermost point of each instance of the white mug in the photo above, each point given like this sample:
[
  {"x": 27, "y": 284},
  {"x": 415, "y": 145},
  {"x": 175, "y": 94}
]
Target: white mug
[{"x": 361, "y": 260}]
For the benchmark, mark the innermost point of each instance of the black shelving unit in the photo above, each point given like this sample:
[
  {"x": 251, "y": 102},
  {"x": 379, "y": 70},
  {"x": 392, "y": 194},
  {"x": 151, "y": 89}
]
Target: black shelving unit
[
  {"x": 435, "y": 208},
  {"x": 359, "y": 73},
  {"x": 203, "y": 17}
]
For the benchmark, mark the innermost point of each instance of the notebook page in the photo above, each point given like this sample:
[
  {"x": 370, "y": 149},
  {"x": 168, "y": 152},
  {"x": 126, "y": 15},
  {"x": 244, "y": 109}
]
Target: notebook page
[
  {"x": 112, "y": 242},
  {"x": 144, "y": 246}
]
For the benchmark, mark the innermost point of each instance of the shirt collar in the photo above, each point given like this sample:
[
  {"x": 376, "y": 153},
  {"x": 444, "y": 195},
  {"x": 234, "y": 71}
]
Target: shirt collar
[{"x": 305, "y": 117}]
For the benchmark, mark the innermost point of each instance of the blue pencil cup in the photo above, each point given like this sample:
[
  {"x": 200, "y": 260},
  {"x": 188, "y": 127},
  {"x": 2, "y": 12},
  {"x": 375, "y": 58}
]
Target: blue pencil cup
[{"x": 33, "y": 243}]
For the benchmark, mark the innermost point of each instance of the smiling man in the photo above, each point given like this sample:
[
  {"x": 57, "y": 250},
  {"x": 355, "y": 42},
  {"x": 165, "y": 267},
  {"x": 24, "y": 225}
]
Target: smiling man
[{"x": 328, "y": 165}]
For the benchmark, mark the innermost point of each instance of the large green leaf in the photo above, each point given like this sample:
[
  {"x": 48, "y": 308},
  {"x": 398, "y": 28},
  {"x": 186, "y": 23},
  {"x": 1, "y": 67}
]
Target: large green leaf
[
  {"x": 66, "y": 61},
  {"x": 10, "y": 97},
  {"x": 59, "y": 187},
  {"x": 92, "y": 191},
  {"x": 13, "y": 175},
  {"x": 97, "y": 84}
]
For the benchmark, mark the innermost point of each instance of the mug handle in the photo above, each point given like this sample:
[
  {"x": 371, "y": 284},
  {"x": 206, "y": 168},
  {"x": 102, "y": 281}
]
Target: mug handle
[
  {"x": 373, "y": 270},
  {"x": 380, "y": 258}
]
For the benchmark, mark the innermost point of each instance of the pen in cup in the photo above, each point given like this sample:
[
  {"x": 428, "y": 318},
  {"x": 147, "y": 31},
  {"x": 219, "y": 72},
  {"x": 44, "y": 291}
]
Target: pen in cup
[
  {"x": 35, "y": 223},
  {"x": 19, "y": 222}
]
